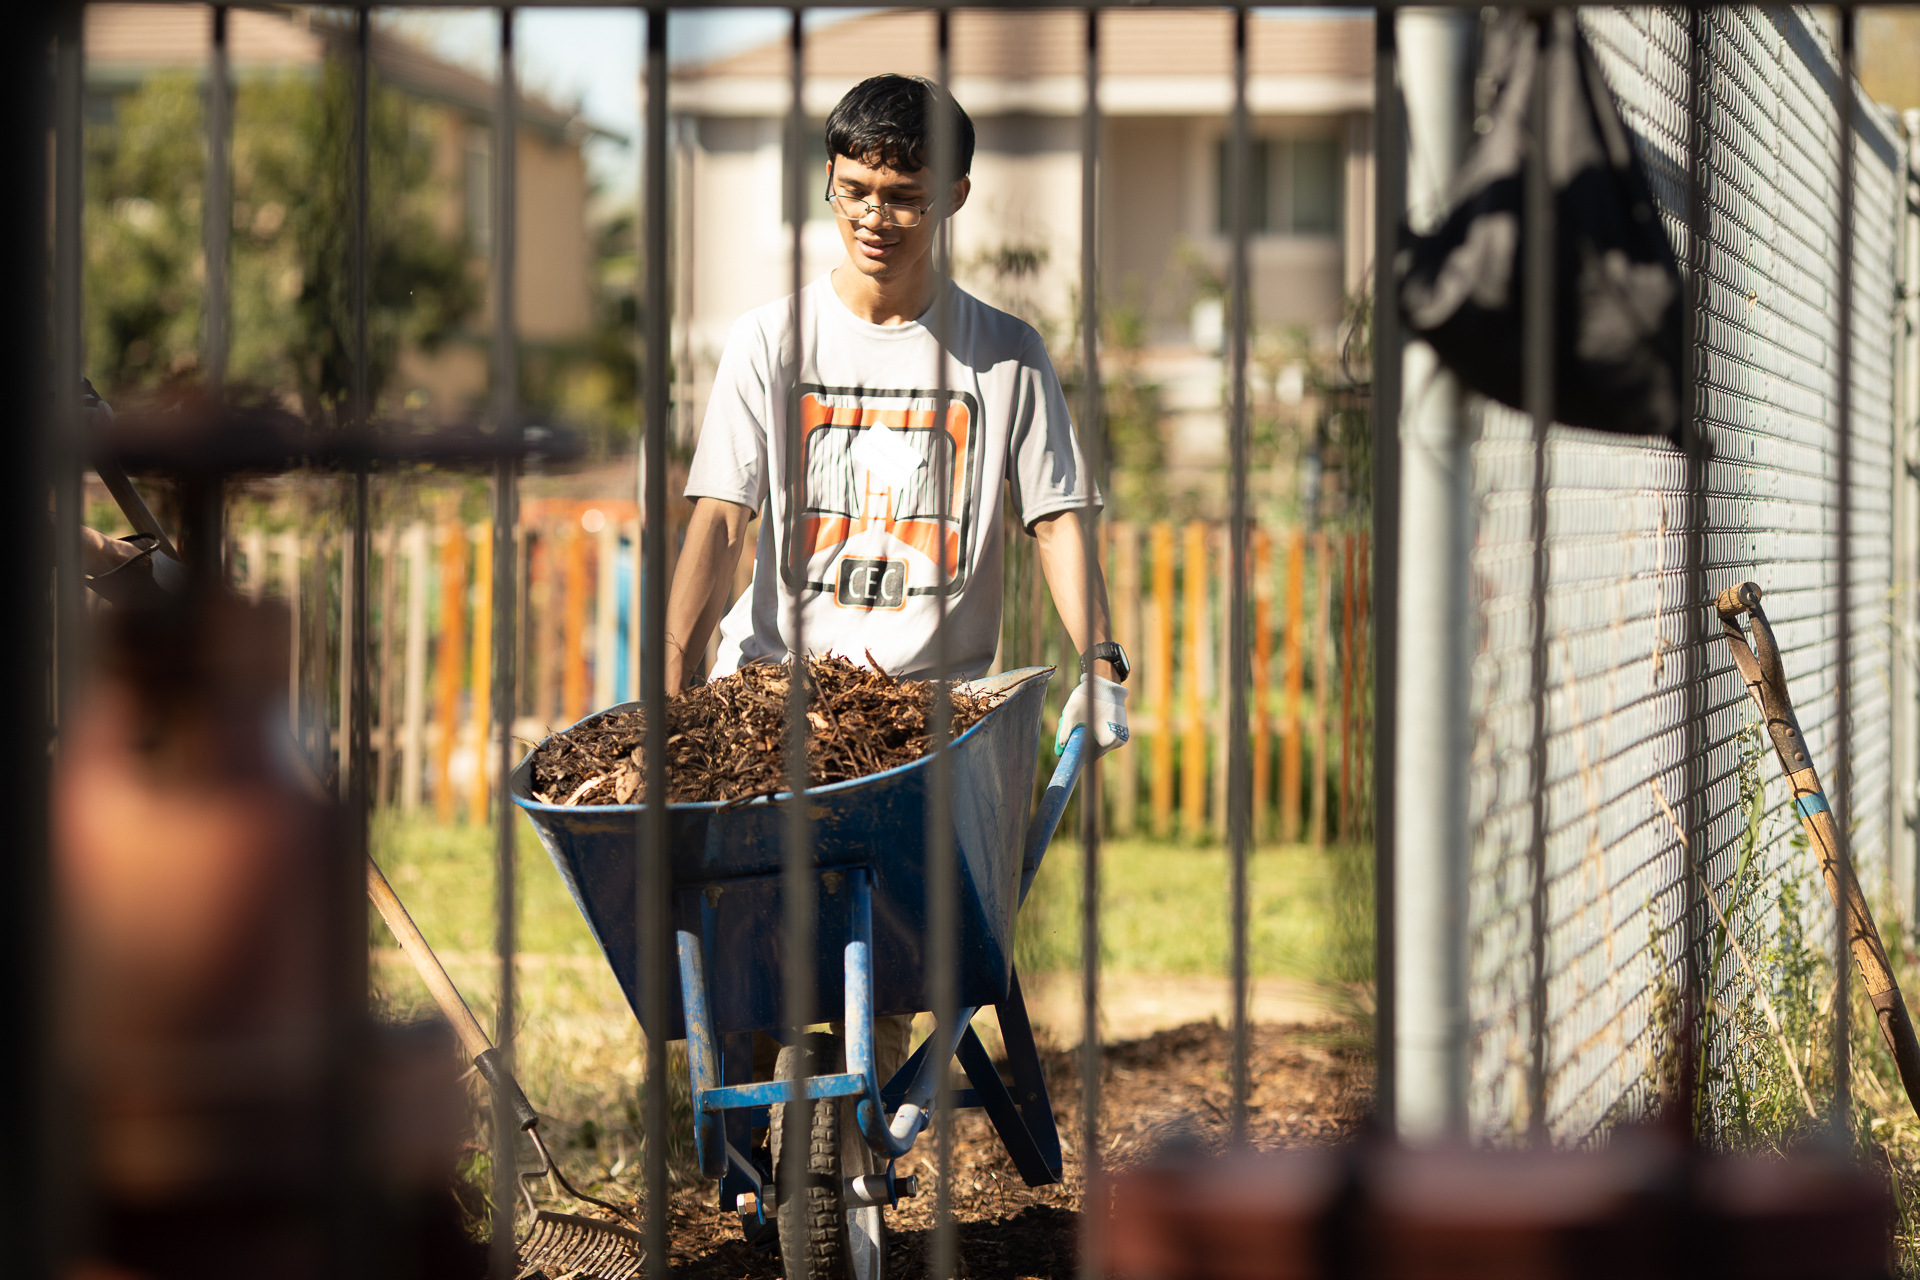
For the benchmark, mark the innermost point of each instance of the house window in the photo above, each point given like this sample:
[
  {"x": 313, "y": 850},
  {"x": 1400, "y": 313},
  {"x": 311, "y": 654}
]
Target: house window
[
  {"x": 479, "y": 166},
  {"x": 1293, "y": 186}
]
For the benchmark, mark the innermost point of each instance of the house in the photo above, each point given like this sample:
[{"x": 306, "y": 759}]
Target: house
[
  {"x": 1165, "y": 94},
  {"x": 554, "y": 287}
]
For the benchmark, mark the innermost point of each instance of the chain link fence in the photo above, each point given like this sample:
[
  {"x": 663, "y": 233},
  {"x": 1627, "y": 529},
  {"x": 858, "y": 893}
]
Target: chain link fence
[{"x": 1620, "y": 622}]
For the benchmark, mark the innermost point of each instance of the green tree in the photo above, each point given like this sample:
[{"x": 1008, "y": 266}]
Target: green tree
[{"x": 291, "y": 282}]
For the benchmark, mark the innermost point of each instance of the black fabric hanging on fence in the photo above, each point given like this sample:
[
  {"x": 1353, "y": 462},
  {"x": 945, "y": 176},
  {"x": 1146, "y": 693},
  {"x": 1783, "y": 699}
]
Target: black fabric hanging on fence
[{"x": 1617, "y": 334}]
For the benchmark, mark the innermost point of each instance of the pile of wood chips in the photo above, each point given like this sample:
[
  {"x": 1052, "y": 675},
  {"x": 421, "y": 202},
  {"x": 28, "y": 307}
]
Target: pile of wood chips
[{"x": 726, "y": 738}]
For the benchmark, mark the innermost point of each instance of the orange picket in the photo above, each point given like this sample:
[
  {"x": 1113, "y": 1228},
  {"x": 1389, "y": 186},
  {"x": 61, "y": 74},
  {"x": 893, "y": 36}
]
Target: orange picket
[
  {"x": 1160, "y": 679},
  {"x": 1197, "y": 643},
  {"x": 573, "y": 647},
  {"x": 1295, "y": 678},
  {"x": 449, "y": 663},
  {"x": 1259, "y": 715},
  {"x": 480, "y": 694}
]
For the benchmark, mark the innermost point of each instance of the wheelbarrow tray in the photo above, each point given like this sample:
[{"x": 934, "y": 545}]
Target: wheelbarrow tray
[{"x": 725, "y": 868}]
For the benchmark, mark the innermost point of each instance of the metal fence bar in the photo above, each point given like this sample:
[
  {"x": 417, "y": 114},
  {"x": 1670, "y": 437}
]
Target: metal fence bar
[
  {"x": 943, "y": 885},
  {"x": 1695, "y": 301},
  {"x": 1092, "y": 1255},
  {"x": 1239, "y": 675},
  {"x": 356, "y": 723},
  {"x": 67, "y": 460},
  {"x": 1389, "y": 202},
  {"x": 797, "y": 861},
  {"x": 506, "y": 407},
  {"x": 1842, "y": 795},
  {"x": 216, "y": 222},
  {"x": 1536, "y": 358},
  {"x": 43, "y": 1201},
  {"x": 652, "y": 911}
]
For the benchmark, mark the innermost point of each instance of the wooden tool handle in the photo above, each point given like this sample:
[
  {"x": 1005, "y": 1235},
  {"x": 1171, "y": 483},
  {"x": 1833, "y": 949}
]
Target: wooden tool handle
[
  {"x": 1765, "y": 677},
  {"x": 472, "y": 1038},
  {"x": 485, "y": 1058}
]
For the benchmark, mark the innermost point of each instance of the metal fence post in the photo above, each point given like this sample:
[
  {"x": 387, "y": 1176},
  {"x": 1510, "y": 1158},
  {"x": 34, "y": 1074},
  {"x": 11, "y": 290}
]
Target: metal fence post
[
  {"x": 652, "y": 911},
  {"x": 1433, "y": 736},
  {"x": 506, "y": 403},
  {"x": 1902, "y": 854},
  {"x": 1390, "y": 198}
]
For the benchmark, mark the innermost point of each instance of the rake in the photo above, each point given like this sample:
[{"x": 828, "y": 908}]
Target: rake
[
  {"x": 558, "y": 1246},
  {"x": 1766, "y": 679}
]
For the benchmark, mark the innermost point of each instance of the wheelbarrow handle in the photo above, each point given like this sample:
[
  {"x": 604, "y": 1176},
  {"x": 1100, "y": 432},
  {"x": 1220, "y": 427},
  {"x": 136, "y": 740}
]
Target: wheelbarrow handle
[{"x": 1052, "y": 804}]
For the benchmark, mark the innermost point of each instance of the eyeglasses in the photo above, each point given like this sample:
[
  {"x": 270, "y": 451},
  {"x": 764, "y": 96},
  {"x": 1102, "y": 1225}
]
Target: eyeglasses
[{"x": 853, "y": 209}]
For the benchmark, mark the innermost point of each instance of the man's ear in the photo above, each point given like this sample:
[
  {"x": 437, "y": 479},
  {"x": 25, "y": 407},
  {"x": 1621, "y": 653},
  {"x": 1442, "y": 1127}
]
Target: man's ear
[{"x": 957, "y": 197}]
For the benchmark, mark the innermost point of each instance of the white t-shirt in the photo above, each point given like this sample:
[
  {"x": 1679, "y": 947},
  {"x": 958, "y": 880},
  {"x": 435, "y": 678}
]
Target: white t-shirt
[{"x": 880, "y": 442}]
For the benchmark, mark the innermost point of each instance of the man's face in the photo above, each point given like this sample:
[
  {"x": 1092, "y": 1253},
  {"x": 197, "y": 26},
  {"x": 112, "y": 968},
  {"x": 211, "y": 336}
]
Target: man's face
[{"x": 879, "y": 249}]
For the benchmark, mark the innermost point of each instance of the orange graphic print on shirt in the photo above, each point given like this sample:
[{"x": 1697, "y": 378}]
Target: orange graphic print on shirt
[{"x": 891, "y": 493}]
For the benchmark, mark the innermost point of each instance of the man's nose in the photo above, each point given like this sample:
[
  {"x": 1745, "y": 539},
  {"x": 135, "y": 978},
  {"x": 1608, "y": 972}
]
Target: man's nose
[{"x": 878, "y": 219}]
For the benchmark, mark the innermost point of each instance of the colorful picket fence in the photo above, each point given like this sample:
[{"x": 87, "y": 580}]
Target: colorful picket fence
[{"x": 430, "y": 613}]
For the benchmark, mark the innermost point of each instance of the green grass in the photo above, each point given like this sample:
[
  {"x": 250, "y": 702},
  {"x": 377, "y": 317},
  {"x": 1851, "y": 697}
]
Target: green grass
[
  {"x": 444, "y": 874},
  {"x": 1163, "y": 905},
  {"x": 578, "y": 1048},
  {"x": 1164, "y": 910}
]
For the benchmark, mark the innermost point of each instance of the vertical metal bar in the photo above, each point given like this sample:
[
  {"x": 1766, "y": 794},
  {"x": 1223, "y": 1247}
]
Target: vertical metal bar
[
  {"x": 1433, "y": 740},
  {"x": 797, "y": 864},
  {"x": 1538, "y": 236},
  {"x": 1694, "y": 587},
  {"x": 38, "y": 1193},
  {"x": 358, "y": 682},
  {"x": 653, "y": 888},
  {"x": 1239, "y": 675},
  {"x": 942, "y": 872},
  {"x": 1906, "y": 788},
  {"x": 67, "y": 460},
  {"x": 216, "y": 216},
  {"x": 1841, "y": 798},
  {"x": 350, "y": 1246},
  {"x": 1389, "y": 206},
  {"x": 506, "y": 408},
  {"x": 1092, "y": 1253}
]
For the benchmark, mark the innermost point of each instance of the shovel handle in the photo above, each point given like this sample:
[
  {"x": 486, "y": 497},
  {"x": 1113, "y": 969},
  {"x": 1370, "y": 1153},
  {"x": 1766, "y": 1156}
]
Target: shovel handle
[
  {"x": 480, "y": 1050},
  {"x": 1765, "y": 675}
]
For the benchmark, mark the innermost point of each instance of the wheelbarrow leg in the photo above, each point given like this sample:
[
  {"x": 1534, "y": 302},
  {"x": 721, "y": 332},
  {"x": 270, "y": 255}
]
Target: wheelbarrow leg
[
  {"x": 1029, "y": 1080},
  {"x": 895, "y": 1140},
  {"x": 703, "y": 1056},
  {"x": 995, "y": 1099}
]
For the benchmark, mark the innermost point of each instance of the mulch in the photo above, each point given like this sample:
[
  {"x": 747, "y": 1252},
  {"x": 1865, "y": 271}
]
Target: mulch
[
  {"x": 1313, "y": 1086},
  {"x": 726, "y": 739}
]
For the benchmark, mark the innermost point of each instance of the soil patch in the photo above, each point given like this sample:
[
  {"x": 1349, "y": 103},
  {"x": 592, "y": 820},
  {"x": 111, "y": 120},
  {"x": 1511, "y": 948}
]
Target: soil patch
[
  {"x": 726, "y": 739},
  {"x": 1312, "y": 1087}
]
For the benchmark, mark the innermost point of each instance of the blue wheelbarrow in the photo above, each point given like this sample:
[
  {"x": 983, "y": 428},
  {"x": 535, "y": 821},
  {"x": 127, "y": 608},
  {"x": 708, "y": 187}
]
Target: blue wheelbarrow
[{"x": 870, "y": 960}]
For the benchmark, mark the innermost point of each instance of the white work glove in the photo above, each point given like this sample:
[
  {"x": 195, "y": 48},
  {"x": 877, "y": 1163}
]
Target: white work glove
[{"x": 1101, "y": 705}]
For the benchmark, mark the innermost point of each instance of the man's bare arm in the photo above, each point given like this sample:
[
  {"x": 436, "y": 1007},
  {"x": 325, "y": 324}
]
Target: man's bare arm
[
  {"x": 1063, "y": 558},
  {"x": 708, "y": 559}
]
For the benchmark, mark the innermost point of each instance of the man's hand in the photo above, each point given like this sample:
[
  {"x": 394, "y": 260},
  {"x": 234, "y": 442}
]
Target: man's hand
[{"x": 1100, "y": 705}]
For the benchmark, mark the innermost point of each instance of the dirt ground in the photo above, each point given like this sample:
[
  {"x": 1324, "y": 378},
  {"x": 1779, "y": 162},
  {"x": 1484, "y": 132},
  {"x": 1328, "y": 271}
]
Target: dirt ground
[{"x": 1312, "y": 1085}]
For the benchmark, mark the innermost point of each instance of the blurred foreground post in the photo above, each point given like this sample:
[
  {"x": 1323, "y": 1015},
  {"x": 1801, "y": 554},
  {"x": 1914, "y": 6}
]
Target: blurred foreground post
[{"x": 1433, "y": 737}]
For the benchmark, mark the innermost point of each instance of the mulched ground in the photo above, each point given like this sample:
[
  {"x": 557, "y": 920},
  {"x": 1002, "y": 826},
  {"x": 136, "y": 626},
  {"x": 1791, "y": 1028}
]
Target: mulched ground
[
  {"x": 726, "y": 739},
  {"x": 1312, "y": 1086}
]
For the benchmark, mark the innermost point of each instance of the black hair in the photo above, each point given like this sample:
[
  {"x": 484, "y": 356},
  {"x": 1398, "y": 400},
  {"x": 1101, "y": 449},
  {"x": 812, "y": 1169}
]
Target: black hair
[{"x": 886, "y": 120}]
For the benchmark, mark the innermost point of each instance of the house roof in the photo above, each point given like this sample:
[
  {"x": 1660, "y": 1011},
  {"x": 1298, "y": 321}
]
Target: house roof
[
  {"x": 1015, "y": 61},
  {"x": 126, "y": 41}
]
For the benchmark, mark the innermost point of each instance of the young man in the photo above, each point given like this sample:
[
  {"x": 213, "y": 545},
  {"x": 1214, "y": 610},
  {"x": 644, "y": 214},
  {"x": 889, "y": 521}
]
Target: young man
[{"x": 909, "y": 389}]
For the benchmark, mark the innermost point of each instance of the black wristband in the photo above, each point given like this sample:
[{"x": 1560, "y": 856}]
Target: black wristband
[{"x": 1107, "y": 651}]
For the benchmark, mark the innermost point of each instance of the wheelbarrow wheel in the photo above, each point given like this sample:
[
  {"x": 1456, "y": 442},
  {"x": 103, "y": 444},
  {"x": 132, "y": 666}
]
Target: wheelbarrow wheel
[{"x": 820, "y": 1237}]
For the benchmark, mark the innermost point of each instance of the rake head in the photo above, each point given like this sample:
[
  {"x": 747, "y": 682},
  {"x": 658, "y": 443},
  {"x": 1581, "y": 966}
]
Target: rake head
[{"x": 562, "y": 1246}]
